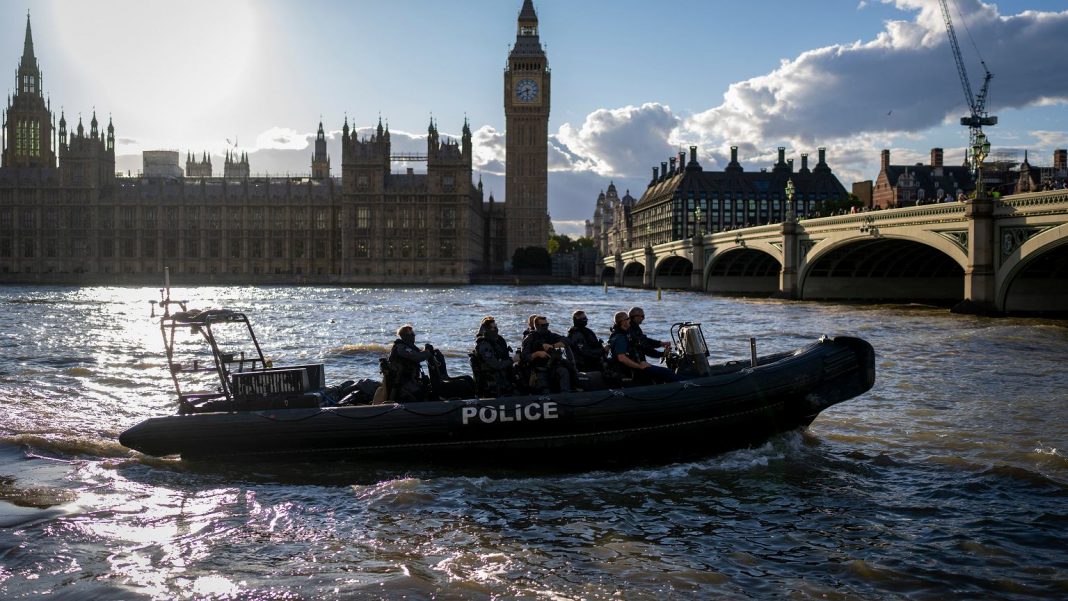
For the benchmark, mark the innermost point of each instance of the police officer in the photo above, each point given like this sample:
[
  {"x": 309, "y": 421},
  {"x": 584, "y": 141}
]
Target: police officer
[
  {"x": 646, "y": 345},
  {"x": 496, "y": 365},
  {"x": 627, "y": 355},
  {"x": 537, "y": 347},
  {"x": 588, "y": 349},
  {"x": 404, "y": 359}
]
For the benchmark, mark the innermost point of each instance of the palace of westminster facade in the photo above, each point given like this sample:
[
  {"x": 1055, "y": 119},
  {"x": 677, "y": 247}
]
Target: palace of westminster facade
[{"x": 66, "y": 217}]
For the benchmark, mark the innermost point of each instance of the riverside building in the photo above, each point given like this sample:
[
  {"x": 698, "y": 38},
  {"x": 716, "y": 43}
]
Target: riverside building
[
  {"x": 66, "y": 217},
  {"x": 683, "y": 199}
]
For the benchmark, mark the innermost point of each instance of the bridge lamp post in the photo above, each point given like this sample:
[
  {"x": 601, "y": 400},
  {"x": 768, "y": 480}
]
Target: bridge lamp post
[
  {"x": 790, "y": 213},
  {"x": 648, "y": 235},
  {"x": 697, "y": 221},
  {"x": 980, "y": 150}
]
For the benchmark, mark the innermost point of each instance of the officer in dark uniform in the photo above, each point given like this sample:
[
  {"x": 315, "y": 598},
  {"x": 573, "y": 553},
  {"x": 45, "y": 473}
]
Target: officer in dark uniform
[
  {"x": 628, "y": 358},
  {"x": 543, "y": 352},
  {"x": 587, "y": 348},
  {"x": 646, "y": 345},
  {"x": 408, "y": 381},
  {"x": 496, "y": 368}
]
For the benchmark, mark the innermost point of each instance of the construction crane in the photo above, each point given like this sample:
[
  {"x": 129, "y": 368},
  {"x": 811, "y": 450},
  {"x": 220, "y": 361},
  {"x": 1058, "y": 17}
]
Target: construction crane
[{"x": 980, "y": 146}]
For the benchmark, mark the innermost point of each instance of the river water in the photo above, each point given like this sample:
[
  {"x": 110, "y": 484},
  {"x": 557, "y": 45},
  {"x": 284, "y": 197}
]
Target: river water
[{"x": 948, "y": 480}]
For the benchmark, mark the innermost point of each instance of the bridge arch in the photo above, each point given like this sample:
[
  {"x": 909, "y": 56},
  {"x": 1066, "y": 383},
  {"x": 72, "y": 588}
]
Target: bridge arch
[
  {"x": 608, "y": 275},
  {"x": 743, "y": 270},
  {"x": 863, "y": 267},
  {"x": 634, "y": 274},
  {"x": 1034, "y": 277},
  {"x": 673, "y": 271}
]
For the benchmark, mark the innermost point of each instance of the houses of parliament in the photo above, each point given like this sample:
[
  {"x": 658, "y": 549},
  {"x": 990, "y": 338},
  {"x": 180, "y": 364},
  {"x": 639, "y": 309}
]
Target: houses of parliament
[{"x": 67, "y": 217}]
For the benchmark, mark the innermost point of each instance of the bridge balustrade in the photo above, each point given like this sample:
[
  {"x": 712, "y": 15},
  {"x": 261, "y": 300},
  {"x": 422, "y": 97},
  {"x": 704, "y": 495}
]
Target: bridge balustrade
[{"x": 987, "y": 256}]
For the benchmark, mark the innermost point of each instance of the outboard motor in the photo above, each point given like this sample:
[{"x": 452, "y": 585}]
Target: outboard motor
[{"x": 693, "y": 348}]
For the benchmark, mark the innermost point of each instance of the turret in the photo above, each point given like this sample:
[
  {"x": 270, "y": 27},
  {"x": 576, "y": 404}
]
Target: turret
[
  {"x": 320, "y": 160},
  {"x": 111, "y": 136}
]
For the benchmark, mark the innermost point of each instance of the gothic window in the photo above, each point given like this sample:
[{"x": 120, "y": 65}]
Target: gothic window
[
  {"x": 406, "y": 249},
  {"x": 448, "y": 218},
  {"x": 150, "y": 218},
  {"x": 278, "y": 220},
  {"x": 420, "y": 219},
  {"x": 362, "y": 249},
  {"x": 170, "y": 218},
  {"x": 148, "y": 248},
  {"x": 320, "y": 249},
  {"x": 170, "y": 248},
  {"x": 51, "y": 219},
  {"x": 420, "y": 249},
  {"x": 448, "y": 249},
  {"x": 278, "y": 248},
  {"x": 235, "y": 248},
  {"x": 214, "y": 218},
  {"x": 300, "y": 219},
  {"x": 129, "y": 218},
  {"x": 27, "y": 248},
  {"x": 192, "y": 247},
  {"x": 256, "y": 248},
  {"x": 213, "y": 249},
  {"x": 321, "y": 222},
  {"x": 362, "y": 181},
  {"x": 50, "y": 248},
  {"x": 27, "y": 222},
  {"x": 363, "y": 218},
  {"x": 128, "y": 248},
  {"x": 5, "y": 247},
  {"x": 448, "y": 182},
  {"x": 7, "y": 218},
  {"x": 192, "y": 218},
  {"x": 298, "y": 249},
  {"x": 405, "y": 218}
]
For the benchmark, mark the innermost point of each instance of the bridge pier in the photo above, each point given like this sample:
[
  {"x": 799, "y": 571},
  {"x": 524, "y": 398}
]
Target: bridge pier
[
  {"x": 650, "y": 267},
  {"x": 697, "y": 259},
  {"x": 618, "y": 277},
  {"x": 788, "y": 275},
  {"x": 980, "y": 276}
]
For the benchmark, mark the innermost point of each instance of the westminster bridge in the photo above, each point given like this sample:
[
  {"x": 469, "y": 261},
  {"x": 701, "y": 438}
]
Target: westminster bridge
[{"x": 987, "y": 256}]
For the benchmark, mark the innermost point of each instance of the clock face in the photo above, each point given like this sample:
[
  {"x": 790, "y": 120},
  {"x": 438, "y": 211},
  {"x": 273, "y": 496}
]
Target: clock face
[{"x": 526, "y": 90}]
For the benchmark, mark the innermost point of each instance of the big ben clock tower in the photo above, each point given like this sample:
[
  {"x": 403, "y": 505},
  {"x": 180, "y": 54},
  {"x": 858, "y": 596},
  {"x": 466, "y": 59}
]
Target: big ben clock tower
[{"x": 526, "y": 115}]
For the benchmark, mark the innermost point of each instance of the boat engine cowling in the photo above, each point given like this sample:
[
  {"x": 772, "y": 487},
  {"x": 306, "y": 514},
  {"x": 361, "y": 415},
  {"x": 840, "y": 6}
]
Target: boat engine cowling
[{"x": 694, "y": 349}]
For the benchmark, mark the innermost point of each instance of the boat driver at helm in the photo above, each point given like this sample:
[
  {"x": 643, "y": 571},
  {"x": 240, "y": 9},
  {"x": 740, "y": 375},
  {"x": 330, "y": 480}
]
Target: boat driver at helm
[
  {"x": 644, "y": 344},
  {"x": 626, "y": 354},
  {"x": 408, "y": 382}
]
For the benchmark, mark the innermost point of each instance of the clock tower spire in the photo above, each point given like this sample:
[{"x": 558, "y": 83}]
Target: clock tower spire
[{"x": 526, "y": 115}]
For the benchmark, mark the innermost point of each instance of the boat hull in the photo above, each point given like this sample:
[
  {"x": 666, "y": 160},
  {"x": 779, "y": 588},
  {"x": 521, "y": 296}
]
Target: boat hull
[{"x": 737, "y": 406}]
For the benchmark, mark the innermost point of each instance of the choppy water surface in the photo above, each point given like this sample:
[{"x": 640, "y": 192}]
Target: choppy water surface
[{"x": 949, "y": 479}]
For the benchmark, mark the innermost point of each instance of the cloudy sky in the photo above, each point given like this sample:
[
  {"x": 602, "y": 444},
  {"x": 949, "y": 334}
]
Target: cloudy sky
[{"x": 633, "y": 81}]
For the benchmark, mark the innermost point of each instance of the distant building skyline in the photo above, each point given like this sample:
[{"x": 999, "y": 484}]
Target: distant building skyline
[{"x": 853, "y": 77}]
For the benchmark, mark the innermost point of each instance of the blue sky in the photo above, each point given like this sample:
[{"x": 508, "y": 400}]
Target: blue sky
[{"x": 632, "y": 81}]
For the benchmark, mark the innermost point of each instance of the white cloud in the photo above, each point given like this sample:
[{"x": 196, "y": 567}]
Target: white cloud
[
  {"x": 1051, "y": 139},
  {"x": 902, "y": 81},
  {"x": 282, "y": 138},
  {"x": 573, "y": 228},
  {"x": 622, "y": 141}
]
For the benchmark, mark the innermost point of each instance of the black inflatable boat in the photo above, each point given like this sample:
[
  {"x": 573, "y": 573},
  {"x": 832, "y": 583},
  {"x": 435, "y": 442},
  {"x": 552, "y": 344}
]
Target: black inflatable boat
[{"x": 255, "y": 410}]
